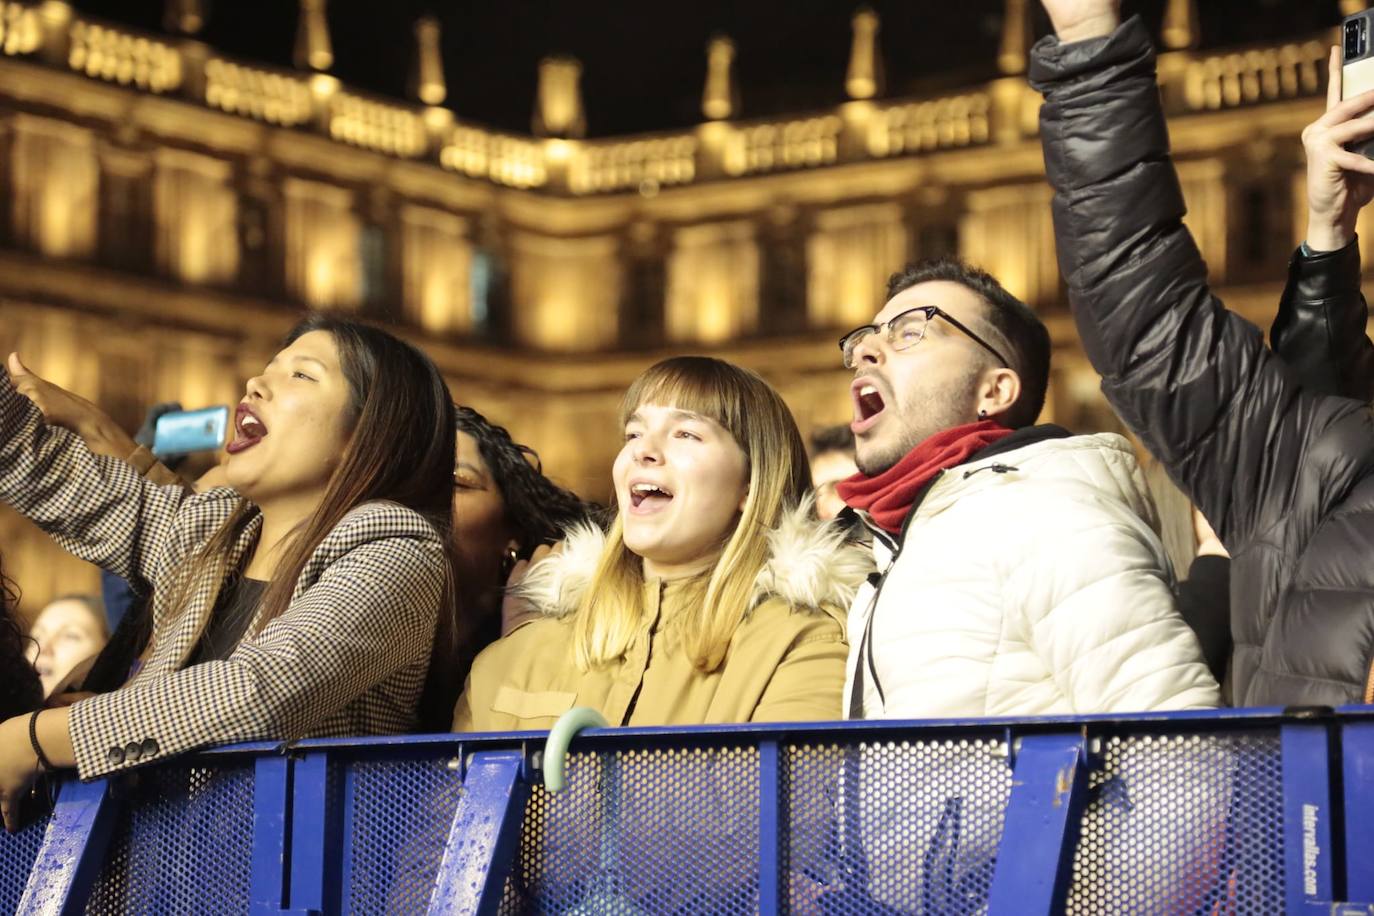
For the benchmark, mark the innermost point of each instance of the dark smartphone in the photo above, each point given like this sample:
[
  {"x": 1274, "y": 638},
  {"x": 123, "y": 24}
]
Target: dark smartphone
[
  {"x": 185, "y": 431},
  {"x": 1357, "y": 66}
]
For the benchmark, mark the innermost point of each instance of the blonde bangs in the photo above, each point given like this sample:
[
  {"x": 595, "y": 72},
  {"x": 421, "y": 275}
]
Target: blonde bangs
[{"x": 696, "y": 384}]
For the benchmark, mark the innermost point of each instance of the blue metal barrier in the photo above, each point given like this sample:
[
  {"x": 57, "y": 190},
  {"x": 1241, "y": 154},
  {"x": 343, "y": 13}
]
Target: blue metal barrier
[
  {"x": 74, "y": 842},
  {"x": 18, "y": 852},
  {"x": 1246, "y": 811}
]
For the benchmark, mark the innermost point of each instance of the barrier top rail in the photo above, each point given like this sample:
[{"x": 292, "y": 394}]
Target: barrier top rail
[
  {"x": 760, "y": 731},
  {"x": 1230, "y": 811}
]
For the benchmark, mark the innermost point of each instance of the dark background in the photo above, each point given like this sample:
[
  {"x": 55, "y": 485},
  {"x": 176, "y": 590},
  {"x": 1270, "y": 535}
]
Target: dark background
[{"x": 644, "y": 61}]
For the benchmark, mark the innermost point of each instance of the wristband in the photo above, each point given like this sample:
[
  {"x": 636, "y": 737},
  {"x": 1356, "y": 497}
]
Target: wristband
[{"x": 33, "y": 739}]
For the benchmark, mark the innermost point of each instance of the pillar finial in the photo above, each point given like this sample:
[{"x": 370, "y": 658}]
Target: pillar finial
[
  {"x": 558, "y": 108},
  {"x": 430, "y": 86},
  {"x": 1180, "y": 25},
  {"x": 313, "y": 49},
  {"x": 186, "y": 17},
  {"x": 1016, "y": 35},
  {"x": 718, "y": 99},
  {"x": 864, "y": 78}
]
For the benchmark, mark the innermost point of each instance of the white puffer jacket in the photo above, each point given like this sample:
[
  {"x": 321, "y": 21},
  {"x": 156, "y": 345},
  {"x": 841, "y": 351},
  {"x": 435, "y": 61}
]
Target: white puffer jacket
[{"x": 1027, "y": 583}]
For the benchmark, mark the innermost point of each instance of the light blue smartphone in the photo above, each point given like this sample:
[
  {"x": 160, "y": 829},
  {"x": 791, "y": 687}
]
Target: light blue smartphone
[{"x": 184, "y": 431}]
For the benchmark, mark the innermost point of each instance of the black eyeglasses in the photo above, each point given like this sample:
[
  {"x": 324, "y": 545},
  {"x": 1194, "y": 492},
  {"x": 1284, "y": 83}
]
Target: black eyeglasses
[{"x": 906, "y": 330}]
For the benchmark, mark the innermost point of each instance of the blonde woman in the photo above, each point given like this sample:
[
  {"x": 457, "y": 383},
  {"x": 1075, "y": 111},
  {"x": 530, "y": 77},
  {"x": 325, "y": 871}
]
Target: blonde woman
[{"x": 714, "y": 598}]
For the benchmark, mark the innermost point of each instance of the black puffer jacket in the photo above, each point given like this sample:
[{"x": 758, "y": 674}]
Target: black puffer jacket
[{"x": 1285, "y": 473}]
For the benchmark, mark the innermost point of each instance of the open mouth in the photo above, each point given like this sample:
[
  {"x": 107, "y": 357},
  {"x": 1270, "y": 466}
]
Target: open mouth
[
  {"x": 649, "y": 497},
  {"x": 249, "y": 430},
  {"x": 868, "y": 403}
]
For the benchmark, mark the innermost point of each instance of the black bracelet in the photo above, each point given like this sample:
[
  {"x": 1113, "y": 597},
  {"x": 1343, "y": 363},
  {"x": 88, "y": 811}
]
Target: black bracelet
[{"x": 33, "y": 739}]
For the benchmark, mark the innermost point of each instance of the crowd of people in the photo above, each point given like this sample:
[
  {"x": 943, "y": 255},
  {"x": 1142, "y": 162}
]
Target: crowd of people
[{"x": 369, "y": 559}]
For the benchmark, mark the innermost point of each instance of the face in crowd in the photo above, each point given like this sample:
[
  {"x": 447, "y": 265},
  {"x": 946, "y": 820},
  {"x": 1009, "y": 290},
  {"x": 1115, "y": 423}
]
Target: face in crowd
[
  {"x": 292, "y": 428},
  {"x": 904, "y": 391},
  {"x": 827, "y": 469},
  {"x": 66, "y": 632},
  {"x": 481, "y": 532},
  {"x": 681, "y": 481}
]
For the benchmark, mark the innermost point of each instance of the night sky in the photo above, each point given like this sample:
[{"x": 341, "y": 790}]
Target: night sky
[{"x": 644, "y": 62}]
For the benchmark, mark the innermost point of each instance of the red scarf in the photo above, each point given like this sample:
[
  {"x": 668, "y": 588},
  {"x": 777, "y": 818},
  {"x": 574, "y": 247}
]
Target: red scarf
[{"x": 887, "y": 498}]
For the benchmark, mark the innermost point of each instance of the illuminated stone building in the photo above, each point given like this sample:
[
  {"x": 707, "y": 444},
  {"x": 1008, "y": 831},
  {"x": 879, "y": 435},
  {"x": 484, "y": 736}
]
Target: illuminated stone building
[{"x": 169, "y": 211}]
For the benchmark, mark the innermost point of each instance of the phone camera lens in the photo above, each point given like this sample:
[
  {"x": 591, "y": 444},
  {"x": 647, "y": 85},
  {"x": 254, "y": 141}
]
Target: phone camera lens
[{"x": 1356, "y": 37}]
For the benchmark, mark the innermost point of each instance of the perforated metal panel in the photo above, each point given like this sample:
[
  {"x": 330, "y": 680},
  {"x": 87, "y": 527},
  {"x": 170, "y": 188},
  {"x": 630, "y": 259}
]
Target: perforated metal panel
[
  {"x": 1176, "y": 822},
  {"x": 1183, "y": 824},
  {"x": 909, "y": 826},
  {"x": 658, "y": 830},
  {"x": 17, "y": 852},
  {"x": 398, "y": 823},
  {"x": 182, "y": 843}
]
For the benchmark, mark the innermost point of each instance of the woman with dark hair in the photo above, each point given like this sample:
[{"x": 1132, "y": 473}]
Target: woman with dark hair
[
  {"x": 504, "y": 509},
  {"x": 20, "y": 689},
  {"x": 299, "y": 601}
]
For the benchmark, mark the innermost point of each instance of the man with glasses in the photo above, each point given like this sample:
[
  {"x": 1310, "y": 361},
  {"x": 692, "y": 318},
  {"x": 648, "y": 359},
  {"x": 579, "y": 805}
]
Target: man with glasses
[{"x": 1017, "y": 574}]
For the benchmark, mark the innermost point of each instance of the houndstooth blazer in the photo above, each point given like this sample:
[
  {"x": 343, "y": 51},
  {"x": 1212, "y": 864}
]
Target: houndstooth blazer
[{"x": 348, "y": 657}]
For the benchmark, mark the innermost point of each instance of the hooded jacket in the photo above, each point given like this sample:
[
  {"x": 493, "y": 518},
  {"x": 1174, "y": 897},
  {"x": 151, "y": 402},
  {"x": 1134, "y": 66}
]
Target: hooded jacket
[
  {"x": 784, "y": 663},
  {"x": 1026, "y": 581},
  {"x": 1283, "y": 471}
]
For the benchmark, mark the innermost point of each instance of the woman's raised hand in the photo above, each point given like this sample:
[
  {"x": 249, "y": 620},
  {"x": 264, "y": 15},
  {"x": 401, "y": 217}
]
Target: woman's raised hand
[
  {"x": 62, "y": 408},
  {"x": 1079, "y": 20}
]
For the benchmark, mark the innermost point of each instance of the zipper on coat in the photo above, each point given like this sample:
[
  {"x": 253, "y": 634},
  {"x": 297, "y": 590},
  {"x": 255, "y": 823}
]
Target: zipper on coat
[
  {"x": 865, "y": 643},
  {"x": 865, "y": 668},
  {"x": 995, "y": 468}
]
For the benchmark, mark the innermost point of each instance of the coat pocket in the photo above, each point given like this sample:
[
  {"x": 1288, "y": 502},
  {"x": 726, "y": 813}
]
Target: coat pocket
[{"x": 524, "y": 704}]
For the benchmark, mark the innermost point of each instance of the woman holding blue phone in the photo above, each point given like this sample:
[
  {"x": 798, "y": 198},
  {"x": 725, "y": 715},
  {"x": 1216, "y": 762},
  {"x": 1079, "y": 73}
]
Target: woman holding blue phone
[
  {"x": 504, "y": 510},
  {"x": 300, "y": 601}
]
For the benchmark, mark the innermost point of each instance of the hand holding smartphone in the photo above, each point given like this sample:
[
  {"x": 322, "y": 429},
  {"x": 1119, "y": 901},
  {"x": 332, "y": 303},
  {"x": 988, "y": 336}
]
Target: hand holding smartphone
[
  {"x": 1357, "y": 66},
  {"x": 1339, "y": 145}
]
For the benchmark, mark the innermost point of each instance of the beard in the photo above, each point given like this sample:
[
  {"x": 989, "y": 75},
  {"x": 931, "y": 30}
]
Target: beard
[{"x": 915, "y": 418}]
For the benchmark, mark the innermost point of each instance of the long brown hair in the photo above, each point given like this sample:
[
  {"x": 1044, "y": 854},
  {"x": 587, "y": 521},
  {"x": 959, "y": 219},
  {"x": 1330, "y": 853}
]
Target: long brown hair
[
  {"x": 400, "y": 448},
  {"x": 758, "y": 419}
]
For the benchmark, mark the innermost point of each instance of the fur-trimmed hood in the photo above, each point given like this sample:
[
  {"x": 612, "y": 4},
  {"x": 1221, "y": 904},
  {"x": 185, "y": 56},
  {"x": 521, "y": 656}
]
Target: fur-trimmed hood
[{"x": 810, "y": 564}]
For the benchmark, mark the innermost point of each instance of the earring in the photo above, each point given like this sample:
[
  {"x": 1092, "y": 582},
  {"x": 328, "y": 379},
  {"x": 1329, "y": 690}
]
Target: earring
[
  {"x": 508, "y": 561},
  {"x": 982, "y": 414}
]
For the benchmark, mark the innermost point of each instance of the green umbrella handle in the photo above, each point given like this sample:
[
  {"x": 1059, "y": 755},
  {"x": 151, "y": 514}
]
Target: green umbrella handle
[{"x": 560, "y": 736}]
